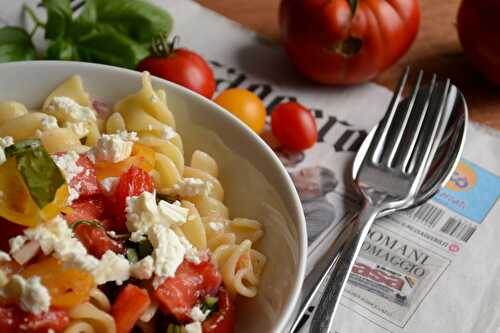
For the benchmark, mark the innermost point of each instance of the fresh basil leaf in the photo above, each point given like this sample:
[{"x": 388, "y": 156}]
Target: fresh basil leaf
[
  {"x": 16, "y": 45},
  {"x": 132, "y": 255},
  {"x": 144, "y": 248},
  {"x": 112, "y": 48},
  {"x": 93, "y": 223},
  {"x": 40, "y": 173},
  {"x": 85, "y": 23},
  {"x": 139, "y": 19},
  {"x": 354, "y": 5},
  {"x": 59, "y": 17},
  {"x": 61, "y": 49},
  {"x": 173, "y": 328},
  {"x": 210, "y": 304}
]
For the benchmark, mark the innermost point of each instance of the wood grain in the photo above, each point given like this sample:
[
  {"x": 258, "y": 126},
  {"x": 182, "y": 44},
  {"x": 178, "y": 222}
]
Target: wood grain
[{"x": 436, "y": 49}]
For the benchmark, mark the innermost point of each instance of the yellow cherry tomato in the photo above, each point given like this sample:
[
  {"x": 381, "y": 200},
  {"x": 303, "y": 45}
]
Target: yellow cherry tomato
[
  {"x": 245, "y": 105},
  {"x": 142, "y": 157},
  {"x": 67, "y": 286},
  {"x": 16, "y": 204}
]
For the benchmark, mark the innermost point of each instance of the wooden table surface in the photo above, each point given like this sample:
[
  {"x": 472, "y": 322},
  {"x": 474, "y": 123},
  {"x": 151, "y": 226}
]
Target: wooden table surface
[{"x": 436, "y": 49}]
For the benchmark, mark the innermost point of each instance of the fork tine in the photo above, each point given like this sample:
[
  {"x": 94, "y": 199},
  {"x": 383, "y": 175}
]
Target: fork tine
[
  {"x": 399, "y": 129},
  {"x": 374, "y": 151},
  {"x": 427, "y": 138},
  {"x": 405, "y": 161}
]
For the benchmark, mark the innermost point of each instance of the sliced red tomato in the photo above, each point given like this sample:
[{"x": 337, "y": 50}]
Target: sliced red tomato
[
  {"x": 86, "y": 209},
  {"x": 131, "y": 183},
  {"x": 9, "y": 230},
  {"x": 223, "y": 320},
  {"x": 14, "y": 320},
  {"x": 191, "y": 283},
  {"x": 96, "y": 240},
  {"x": 86, "y": 181},
  {"x": 128, "y": 307}
]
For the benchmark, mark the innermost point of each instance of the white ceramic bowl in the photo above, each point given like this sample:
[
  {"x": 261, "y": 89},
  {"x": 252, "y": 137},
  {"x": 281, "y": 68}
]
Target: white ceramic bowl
[{"x": 256, "y": 184}]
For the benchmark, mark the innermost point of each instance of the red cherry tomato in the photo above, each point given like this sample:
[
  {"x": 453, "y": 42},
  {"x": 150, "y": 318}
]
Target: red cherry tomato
[
  {"x": 178, "y": 295},
  {"x": 181, "y": 66},
  {"x": 96, "y": 240},
  {"x": 85, "y": 183},
  {"x": 14, "y": 320},
  {"x": 333, "y": 43},
  {"x": 223, "y": 320},
  {"x": 294, "y": 126},
  {"x": 9, "y": 230},
  {"x": 128, "y": 307},
  {"x": 479, "y": 33},
  {"x": 131, "y": 183},
  {"x": 86, "y": 209}
]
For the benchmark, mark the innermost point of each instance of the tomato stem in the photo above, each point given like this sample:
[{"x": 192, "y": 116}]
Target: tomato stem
[{"x": 160, "y": 46}]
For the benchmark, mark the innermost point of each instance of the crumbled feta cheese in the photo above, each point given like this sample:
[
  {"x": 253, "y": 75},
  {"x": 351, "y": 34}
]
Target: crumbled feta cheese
[
  {"x": 57, "y": 237},
  {"x": 115, "y": 147},
  {"x": 216, "y": 226},
  {"x": 190, "y": 187},
  {"x": 4, "y": 256},
  {"x": 32, "y": 296},
  {"x": 109, "y": 183},
  {"x": 168, "y": 252},
  {"x": 67, "y": 163},
  {"x": 194, "y": 327},
  {"x": 49, "y": 122},
  {"x": 192, "y": 254},
  {"x": 168, "y": 133},
  {"x": 197, "y": 314},
  {"x": 16, "y": 243},
  {"x": 143, "y": 212},
  {"x": 4, "y": 143},
  {"x": 76, "y": 117},
  {"x": 142, "y": 269},
  {"x": 112, "y": 267}
]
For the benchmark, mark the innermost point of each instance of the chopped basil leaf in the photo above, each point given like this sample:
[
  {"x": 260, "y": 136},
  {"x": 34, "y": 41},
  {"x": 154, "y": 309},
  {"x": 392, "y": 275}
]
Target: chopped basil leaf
[
  {"x": 173, "y": 328},
  {"x": 210, "y": 304},
  {"x": 94, "y": 223},
  {"x": 144, "y": 248},
  {"x": 132, "y": 255},
  {"x": 39, "y": 171}
]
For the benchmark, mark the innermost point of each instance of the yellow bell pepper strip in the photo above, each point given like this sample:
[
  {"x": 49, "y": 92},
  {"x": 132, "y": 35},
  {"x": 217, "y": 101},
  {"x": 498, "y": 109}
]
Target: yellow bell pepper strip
[{"x": 142, "y": 157}]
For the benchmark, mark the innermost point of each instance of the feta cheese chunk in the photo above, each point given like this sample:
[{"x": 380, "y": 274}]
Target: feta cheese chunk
[
  {"x": 168, "y": 252},
  {"x": 32, "y": 296},
  {"x": 76, "y": 117},
  {"x": 143, "y": 212},
  {"x": 112, "y": 267},
  {"x": 115, "y": 147},
  {"x": 16, "y": 243},
  {"x": 143, "y": 269},
  {"x": 197, "y": 314},
  {"x": 194, "y": 327},
  {"x": 57, "y": 237},
  {"x": 4, "y": 143},
  {"x": 109, "y": 183},
  {"x": 168, "y": 133},
  {"x": 190, "y": 187},
  {"x": 67, "y": 163},
  {"x": 49, "y": 122}
]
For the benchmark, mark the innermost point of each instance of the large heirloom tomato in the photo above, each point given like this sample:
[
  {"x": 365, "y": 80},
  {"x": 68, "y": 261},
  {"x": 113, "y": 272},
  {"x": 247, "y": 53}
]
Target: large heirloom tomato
[
  {"x": 347, "y": 41},
  {"x": 479, "y": 33}
]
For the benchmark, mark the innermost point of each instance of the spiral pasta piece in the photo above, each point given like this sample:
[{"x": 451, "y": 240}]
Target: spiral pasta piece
[{"x": 87, "y": 318}]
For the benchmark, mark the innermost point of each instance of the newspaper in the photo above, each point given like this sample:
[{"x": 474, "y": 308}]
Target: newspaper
[{"x": 430, "y": 269}]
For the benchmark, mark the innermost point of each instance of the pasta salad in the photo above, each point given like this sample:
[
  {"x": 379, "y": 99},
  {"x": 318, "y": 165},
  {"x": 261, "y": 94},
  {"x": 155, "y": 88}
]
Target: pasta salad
[{"x": 104, "y": 227}]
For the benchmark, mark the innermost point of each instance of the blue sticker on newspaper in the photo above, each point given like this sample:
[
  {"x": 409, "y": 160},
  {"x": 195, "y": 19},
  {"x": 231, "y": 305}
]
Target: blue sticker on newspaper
[{"x": 472, "y": 191}]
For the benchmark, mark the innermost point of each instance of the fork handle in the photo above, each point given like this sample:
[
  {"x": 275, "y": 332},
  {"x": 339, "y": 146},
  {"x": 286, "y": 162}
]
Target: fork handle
[{"x": 323, "y": 316}]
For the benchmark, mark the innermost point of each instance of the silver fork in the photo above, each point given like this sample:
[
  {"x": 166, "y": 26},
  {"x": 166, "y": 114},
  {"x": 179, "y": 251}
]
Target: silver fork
[{"x": 391, "y": 174}]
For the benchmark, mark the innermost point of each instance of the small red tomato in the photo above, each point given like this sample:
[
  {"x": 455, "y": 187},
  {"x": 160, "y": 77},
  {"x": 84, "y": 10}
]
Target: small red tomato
[
  {"x": 294, "y": 126},
  {"x": 180, "y": 66}
]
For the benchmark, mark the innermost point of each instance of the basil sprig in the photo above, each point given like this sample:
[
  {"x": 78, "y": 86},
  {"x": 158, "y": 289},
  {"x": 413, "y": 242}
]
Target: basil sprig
[
  {"x": 114, "y": 32},
  {"x": 40, "y": 173}
]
